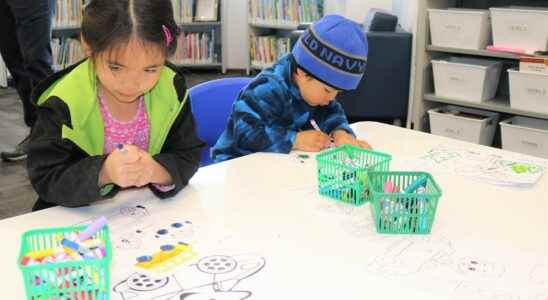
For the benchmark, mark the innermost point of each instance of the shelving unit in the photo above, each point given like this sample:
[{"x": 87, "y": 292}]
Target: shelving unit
[
  {"x": 60, "y": 35},
  {"x": 215, "y": 35},
  {"x": 422, "y": 95},
  {"x": 277, "y": 21},
  {"x": 64, "y": 29}
]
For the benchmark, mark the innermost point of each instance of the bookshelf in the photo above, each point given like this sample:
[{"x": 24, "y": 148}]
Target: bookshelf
[
  {"x": 201, "y": 42},
  {"x": 206, "y": 52},
  {"x": 270, "y": 24},
  {"x": 65, "y": 43},
  {"x": 423, "y": 97}
]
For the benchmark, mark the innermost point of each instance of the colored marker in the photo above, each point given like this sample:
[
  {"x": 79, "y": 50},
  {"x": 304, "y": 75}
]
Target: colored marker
[
  {"x": 421, "y": 181},
  {"x": 389, "y": 187},
  {"x": 317, "y": 128},
  {"x": 74, "y": 246},
  {"x": 92, "y": 229}
]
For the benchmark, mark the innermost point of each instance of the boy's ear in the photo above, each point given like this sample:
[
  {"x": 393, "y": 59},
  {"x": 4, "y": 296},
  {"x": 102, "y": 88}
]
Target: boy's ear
[
  {"x": 302, "y": 74},
  {"x": 85, "y": 47}
]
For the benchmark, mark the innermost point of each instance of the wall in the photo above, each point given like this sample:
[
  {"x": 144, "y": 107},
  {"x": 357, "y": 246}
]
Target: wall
[
  {"x": 357, "y": 9},
  {"x": 406, "y": 11}
]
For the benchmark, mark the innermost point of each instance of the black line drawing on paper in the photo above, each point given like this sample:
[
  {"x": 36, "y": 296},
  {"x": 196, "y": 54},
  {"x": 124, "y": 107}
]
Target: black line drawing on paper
[
  {"x": 217, "y": 277},
  {"x": 407, "y": 256},
  {"x": 136, "y": 237},
  {"x": 126, "y": 215},
  {"x": 480, "y": 268}
]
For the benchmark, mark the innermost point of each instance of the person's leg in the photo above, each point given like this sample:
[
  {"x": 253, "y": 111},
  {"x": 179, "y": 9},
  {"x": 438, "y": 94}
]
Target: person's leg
[
  {"x": 28, "y": 49},
  {"x": 13, "y": 58},
  {"x": 33, "y": 29}
]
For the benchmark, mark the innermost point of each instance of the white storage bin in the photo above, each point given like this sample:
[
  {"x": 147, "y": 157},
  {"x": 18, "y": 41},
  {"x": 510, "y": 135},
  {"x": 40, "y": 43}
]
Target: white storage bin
[
  {"x": 520, "y": 28},
  {"x": 466, "y": 124},
  {"x": 528, "y": 91},
  {"x": 467, "y": 79},
  {"x": 460, "y": 28},
  {"x": 525, "y": 135}
]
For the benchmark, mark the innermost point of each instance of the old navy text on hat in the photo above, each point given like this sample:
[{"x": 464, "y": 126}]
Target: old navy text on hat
[{"x": 331, "y": 56}]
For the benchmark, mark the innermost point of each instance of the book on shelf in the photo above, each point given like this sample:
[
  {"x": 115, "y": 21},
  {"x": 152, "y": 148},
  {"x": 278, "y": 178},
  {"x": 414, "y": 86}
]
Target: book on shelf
[
  {"x": 183, "y": 10},
  {"x": 310, "y": 10},
  {"x": 196, "y": 48},
  {"x": 66, "y": 51},
  {"x": 265, "y": 50},
  {"x": 68, "y": 13},
  {"x": 206, "y": 10},
  {"x": 285, "y": 12}
]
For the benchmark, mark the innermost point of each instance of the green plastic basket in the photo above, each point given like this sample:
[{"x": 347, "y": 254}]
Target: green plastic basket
[
  {"x": 342, "y": 172},
  {"x": 403, "y": 213},
  {"x": 75, "y": 279}
]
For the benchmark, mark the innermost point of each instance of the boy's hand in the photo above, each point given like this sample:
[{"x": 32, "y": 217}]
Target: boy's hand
[
  {"x": 122, "y": 167},
  {"x": 311, "y": 141},
  {"x": 342, "y": 137}
]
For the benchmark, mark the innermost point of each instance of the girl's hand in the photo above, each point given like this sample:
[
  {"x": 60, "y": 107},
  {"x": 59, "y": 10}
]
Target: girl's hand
[
  {"x": 121, "y": 167},
  {"x": 342, "y": 137},
  {"x": 311, "y": 141},
  {"x": 152, "y": 171}
]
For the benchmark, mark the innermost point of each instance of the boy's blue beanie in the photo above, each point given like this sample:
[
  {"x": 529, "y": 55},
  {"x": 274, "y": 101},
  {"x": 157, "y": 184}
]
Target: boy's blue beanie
[{"x": 334, "y": 50}]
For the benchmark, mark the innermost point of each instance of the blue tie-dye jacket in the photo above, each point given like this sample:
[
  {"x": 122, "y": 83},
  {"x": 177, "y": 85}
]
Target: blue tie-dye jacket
[{"x": 270, "y": 111}]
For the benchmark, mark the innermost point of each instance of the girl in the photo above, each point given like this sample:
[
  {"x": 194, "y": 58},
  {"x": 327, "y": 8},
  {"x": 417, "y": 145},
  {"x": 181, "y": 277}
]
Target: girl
[{"x": 120, "y": 118}]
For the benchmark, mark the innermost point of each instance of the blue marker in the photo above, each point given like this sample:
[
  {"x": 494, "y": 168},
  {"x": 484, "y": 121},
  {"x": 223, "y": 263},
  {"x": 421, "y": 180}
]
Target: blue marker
[
  {"x": 419, "y": 207},
  {"x": 413, "y": 186},
  {"x": 78, "y": 248}
]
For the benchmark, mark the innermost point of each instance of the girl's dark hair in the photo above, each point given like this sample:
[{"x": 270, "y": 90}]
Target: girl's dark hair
[{"x": 109, "y": 23}]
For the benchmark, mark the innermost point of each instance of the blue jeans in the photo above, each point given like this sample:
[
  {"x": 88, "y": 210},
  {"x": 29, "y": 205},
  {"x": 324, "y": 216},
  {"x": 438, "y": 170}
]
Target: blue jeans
[{"x": 25, "y": 45}]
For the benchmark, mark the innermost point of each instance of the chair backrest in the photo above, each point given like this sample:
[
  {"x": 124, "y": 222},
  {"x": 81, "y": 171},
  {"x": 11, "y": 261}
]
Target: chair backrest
[{"x": 211, "y": 106}]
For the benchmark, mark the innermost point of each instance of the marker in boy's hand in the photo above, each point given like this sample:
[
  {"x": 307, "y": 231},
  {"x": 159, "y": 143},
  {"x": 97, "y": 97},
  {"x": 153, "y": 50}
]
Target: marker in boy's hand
[{"x": 311, "y": 141}]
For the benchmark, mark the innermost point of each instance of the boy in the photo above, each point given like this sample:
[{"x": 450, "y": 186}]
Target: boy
[{"x": 291, "y": 106}]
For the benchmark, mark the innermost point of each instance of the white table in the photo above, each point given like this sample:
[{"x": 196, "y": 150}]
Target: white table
[{"x": 263, "y": 212}]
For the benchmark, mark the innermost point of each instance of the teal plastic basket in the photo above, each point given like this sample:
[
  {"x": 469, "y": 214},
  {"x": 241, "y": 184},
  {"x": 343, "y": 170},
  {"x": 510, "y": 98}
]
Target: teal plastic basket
[
  {"x": 401, "y": 212},
  {"x": 342, "y": 172},
  {"x": 74, "y": 279}
]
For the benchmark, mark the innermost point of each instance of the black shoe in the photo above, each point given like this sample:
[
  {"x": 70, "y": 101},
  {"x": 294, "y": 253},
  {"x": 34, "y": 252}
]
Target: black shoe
[{"x": 20, "y": 152}]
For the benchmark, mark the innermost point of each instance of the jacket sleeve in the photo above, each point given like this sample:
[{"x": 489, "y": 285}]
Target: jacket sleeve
[
  {"x": 61, "y": 172},
  {"x": 180, "y": 155},
  {"x": 262, "y": 118},
  {"x": 332, "y": 117}
]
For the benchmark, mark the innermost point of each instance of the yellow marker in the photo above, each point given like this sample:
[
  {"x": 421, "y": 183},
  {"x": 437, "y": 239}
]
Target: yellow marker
[
  {"x": 41, "y": 253},
  {"x": 167, "y": 259}
]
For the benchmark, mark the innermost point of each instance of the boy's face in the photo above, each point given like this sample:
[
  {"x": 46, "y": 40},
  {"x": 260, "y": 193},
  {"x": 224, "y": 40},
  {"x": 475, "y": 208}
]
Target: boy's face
[
  {"x": 130, "y": 70},
  {"x": 314, "y": 92}
]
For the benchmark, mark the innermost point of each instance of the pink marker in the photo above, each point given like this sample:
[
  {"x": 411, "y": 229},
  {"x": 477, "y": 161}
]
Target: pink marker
[
  {"x": 505, "y": 49},
  {"x": 389, "y": 187}
]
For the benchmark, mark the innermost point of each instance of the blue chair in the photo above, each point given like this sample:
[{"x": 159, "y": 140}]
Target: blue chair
[{"x": 211, "y": 105}]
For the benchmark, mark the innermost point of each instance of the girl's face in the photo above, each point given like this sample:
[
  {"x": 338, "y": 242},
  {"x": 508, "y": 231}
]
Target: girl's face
[
  {"x": 314, "y": 92},
  {"x": 129, "y": 71}
]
